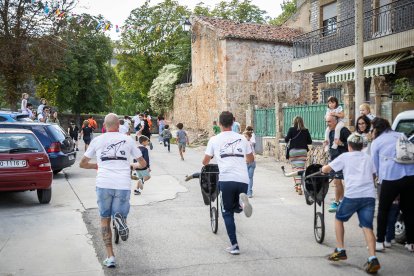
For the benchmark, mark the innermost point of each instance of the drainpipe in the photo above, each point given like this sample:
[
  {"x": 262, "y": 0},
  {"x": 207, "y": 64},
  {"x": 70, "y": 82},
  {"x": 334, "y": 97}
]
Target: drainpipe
[{"x": 359, "y": 57}]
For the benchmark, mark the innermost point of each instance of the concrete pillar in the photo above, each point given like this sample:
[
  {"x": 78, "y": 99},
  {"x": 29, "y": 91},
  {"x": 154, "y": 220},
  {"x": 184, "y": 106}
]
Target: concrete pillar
[
  {"x": 378, "y": 87},
  {"x": 349, "y": 107},
  {"x": 359, "y": 55}
]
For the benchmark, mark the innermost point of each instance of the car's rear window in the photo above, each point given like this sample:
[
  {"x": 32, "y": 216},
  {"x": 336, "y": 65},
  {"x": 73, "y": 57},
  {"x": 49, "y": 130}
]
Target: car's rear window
[
  {"x": 41, "y": 133},
  {"x": 57, "y": 132},
  {"x": 23, "y": 118},
  {"x": 19, "y": 142},
  {"x": 406, "y": 127}
]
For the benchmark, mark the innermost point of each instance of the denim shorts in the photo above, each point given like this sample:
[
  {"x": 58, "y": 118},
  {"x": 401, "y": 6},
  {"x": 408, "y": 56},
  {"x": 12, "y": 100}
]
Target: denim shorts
[
  {"x": 364, "y": 207},
  {"x": 143, "y": 173},
  {"x": 111, "y": 201},
  {"x": 181, "y": 146}
]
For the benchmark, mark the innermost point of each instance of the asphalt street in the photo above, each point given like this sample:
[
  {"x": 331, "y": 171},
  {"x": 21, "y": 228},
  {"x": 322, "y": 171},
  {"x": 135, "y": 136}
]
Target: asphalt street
[{"x": 170, "y": 229}]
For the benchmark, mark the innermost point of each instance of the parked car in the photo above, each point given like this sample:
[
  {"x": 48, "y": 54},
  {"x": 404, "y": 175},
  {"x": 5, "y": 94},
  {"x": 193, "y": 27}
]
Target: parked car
[
  {"x": 57, "y": 143},
  {"x": 404, "y": 122},
  {"x": 9, "y": 116},
  {"x": 24, "y": 164}
]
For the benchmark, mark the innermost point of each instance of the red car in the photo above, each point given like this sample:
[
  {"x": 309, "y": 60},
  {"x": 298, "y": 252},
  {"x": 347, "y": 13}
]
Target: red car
[{"x": 24, "y": 164}]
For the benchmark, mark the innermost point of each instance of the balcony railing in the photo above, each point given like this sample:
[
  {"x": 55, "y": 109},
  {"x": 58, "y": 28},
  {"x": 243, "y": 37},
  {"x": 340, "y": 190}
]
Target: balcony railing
[{"x": 388, "y": 19}]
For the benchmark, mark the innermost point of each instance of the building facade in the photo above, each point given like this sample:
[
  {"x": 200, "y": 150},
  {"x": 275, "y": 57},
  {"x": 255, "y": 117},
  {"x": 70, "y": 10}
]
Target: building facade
[
  {"x": 236, "y": 66},
  {"x": 328, "y": 51}
]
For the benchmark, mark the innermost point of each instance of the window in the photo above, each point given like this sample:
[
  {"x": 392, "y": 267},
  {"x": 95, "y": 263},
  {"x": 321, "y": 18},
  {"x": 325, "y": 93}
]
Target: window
[
  {"x": 326, "y": 93},
  {"x": 329, "y": 19},
  {"x": 383, "y": 18}
]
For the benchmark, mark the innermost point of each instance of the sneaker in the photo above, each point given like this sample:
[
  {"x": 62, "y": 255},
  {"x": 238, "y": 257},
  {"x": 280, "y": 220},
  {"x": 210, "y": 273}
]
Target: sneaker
[
  {"x": 140, "y": 184},
  {"x": 379, "y": 246},
  {"x": 372, "y": 266},
  {"x": 245, "y": 204},
  {"x": 121, "y": 226},
  {"x": 338, "y": 255},
  {"x": 160, "y": 143},
  {"x": 332, "y": 208},
  {"x": 77, "y": 149},
  {"x": 151, "y": 146},
  {"x": 387, "y": 244},
  {"x": 137, "y": 192},
  {"x": 410, "y": 247},
  {"x": 234, "y": 249},
  {"x": 109, "y": 262}
]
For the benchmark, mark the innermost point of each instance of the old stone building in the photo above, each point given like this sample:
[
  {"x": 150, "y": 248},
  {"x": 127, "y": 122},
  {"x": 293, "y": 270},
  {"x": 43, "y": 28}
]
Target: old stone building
[{"x": 234, "y": 66}]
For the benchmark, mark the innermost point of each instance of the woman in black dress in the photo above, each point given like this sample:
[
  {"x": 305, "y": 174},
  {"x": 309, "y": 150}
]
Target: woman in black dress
[
  {"x": 86, "y": 133},
  {"x": 73, "y": 131}
]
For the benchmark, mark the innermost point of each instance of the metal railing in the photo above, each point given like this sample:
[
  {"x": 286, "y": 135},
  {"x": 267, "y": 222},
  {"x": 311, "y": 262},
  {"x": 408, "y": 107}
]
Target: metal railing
[
  {"x": 265, "y": 122},
  {"x": 385, "y": 20},
  {"x": 313, "y": 116}
]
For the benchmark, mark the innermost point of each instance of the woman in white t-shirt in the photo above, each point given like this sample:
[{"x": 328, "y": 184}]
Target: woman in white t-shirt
[{"x": 251, "y": 166}]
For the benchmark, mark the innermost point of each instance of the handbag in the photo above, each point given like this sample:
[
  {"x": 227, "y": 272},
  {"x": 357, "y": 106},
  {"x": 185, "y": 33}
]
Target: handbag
[{"x": 288, "y": 145}]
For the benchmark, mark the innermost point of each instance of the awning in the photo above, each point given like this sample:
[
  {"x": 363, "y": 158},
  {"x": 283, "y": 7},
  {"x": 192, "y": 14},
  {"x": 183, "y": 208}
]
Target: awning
[{"x": 372, "y": 67}]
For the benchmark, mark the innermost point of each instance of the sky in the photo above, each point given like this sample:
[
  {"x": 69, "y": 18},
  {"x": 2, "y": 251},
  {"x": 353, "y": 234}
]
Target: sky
[{"x": 118, "y": 11}]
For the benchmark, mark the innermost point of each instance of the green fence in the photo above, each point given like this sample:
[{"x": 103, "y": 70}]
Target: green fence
[
  {"x": 265, "y": 122},
  {"x": 313, "y": 117}
]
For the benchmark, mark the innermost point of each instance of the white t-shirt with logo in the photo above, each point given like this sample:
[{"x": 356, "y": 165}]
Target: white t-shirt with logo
[
  {"x": 113, "y": 150},
  {"x": 229, "y": 150},
  {"x": 358, "y": 170}
]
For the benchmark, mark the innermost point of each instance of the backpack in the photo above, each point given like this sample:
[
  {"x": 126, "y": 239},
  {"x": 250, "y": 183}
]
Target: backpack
[
  {"x": 404, "y": 150},
  {"x": 149, "y": 122}
]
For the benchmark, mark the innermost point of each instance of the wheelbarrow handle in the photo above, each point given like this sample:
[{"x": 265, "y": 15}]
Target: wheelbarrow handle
[{"x": 294, "y": 173}]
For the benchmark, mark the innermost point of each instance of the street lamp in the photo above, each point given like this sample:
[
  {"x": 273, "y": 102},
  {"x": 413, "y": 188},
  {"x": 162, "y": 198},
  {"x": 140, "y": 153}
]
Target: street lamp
[{"x": 186, "y": 25}]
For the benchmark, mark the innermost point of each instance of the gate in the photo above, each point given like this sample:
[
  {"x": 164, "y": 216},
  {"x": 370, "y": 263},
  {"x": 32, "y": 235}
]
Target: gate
[{"x": 264, "y": 125}]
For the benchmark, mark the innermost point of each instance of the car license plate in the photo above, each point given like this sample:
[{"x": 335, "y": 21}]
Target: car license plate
[
  {"x": 71, "y": 157},
  {"x": 12, "y": 163}
]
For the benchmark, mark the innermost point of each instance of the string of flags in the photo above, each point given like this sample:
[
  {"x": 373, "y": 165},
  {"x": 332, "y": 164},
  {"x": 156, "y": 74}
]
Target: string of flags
[{"x": 165, "y": 30}]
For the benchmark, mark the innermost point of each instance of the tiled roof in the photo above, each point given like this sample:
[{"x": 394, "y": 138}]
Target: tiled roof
[{"x": 250, "y": 31}]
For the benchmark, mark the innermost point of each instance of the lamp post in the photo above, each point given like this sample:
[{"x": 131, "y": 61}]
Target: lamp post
[{"x": 186, "y": 25}]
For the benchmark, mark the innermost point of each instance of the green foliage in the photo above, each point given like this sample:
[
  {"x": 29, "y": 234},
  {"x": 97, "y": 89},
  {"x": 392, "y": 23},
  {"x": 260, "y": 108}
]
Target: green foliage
[
  {"x": 288, "y": 9},
  {"x": 162, "y": 90},
  {"x": 241, "y": 11},
  {"x": 84, "y": 83},
  {"x": 154, "y": 38},
  {"x": 404, "y": 89}
]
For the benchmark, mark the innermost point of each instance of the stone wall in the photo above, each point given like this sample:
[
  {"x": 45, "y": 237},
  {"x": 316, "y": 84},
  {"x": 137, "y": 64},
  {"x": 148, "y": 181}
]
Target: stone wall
[{"x": 231, "y": 74}]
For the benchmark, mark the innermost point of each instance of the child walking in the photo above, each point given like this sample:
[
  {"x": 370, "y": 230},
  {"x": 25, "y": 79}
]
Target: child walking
[
  {"x": 166, "y": 136},
  {"x": 250, "y": 166},
  {"x": 359, "y": 173},
  {"x": 23, "y": 107},
  {"x": 182, "y": 140},
  {"x": 144, "y": 173},
  {"x": 334, "y": 109}
]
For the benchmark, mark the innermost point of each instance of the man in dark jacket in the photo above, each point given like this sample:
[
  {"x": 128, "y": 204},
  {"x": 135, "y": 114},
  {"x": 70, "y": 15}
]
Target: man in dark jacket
[{"x": 332, "y": 121}]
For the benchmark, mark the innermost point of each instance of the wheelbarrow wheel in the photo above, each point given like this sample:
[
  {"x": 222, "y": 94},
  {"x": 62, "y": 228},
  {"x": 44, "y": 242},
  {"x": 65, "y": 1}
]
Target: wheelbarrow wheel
[
  {"x": 319, "y": 227},
  {"x": 214, "y": 219}
]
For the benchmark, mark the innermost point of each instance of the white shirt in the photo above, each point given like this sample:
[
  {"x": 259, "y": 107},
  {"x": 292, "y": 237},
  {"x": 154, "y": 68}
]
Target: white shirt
[
  {"x": 112, "y": 151},
  {"x": 137, "y": 121},
  {"x": 24, "y": 106},
  {"x": 358, "y": 170},
  {"x": 229, "y": 149},
  {"x": 40, "y": 117},
  {"x": 339, "y": 109},
  {"x": 253, "y": 138},
  {"x": 124, "y": 129},
  {"x": 40, "y": 108}
]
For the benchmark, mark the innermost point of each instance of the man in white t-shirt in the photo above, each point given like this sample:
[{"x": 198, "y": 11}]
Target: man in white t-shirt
[
  {"x": 123, "y": 127},
  {"x": 359, "y": 172},
  {"x": 113, "y": 181},
  {"x": 231, "y": 150},
  {"x": 137, "y": 124}
]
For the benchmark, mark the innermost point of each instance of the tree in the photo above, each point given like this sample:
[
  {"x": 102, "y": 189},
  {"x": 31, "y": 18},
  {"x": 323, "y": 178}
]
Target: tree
[
  {"x": 162, "y": 90},
  {"x": 28, "y": 43},
  {"x": 288, "y": 9},
  {"x": 153, "y": 38},
  {"x": 241, "y": 11},
  {"x": 84, "y": 83}
]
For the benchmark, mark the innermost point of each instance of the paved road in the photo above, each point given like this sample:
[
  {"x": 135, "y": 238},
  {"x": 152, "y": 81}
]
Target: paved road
[{"x": 170, "y": 231}]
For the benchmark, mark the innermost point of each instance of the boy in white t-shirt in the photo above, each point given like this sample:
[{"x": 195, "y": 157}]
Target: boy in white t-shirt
[
  {"x": 231, "y": 151},
  {"x": 359, "y": 173}
]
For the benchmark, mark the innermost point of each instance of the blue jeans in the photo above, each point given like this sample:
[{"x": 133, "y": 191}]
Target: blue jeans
[
  {"x": 363, "y": 206},
  {"x": 111, "y": 201},
  {"x": 230, "y": 191},
  {"x": 250, "y": 169},
  {"x": 160, "y": 129}
]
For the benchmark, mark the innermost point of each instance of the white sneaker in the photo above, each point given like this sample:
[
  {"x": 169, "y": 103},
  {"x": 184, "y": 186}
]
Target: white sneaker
[
  {"x": 387, "y": 244},
  {"x": 245, "y": 204},
  {"x": 410, "y": 247},
  {"x": 109, "y": 262},
  {"x": 234, "y": 249},
  {"x": 379, "y": 246}
]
